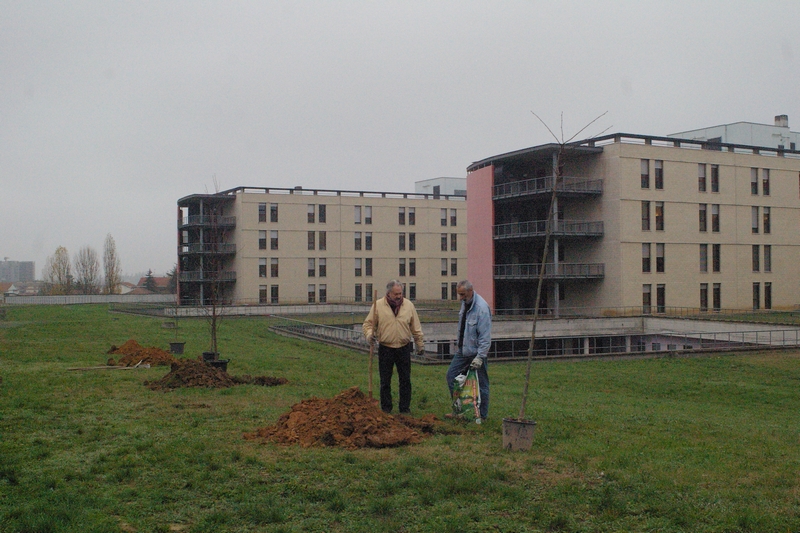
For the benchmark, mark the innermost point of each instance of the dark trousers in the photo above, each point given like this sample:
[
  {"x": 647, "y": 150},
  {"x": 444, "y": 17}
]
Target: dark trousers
[{"x": 387, "y": 359}]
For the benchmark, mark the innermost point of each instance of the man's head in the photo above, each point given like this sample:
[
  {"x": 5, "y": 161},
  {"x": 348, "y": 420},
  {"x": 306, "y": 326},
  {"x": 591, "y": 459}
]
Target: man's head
[
  {"x": 465, "y": 290},
  {"x": 394, "y": 290}
]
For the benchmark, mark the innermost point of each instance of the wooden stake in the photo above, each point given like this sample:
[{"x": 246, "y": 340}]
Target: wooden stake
[{"x": 374, "y": 336}]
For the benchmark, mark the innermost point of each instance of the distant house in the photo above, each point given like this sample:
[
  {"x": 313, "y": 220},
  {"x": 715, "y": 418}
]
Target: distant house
[
  {"x": 161, "y": 283},
  {"x": 126, "y": 287}
]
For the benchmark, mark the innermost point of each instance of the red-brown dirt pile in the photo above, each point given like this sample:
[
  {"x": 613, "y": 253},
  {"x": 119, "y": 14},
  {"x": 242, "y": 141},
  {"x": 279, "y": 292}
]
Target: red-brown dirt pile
[
  {"x": 133, "y": 354},
  {"x": 191, "y": 373},
  {"x": 348, "y": 420}
]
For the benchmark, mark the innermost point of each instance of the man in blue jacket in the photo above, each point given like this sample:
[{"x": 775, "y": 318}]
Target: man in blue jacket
[{"x": 474, "y": 341}]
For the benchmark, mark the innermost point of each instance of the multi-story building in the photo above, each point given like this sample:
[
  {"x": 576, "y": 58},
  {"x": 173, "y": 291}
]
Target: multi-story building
[
  {"x": 284, "y": 246},
  {"x": 654, "y": 223},
  {"x": 14, "y": 271}
]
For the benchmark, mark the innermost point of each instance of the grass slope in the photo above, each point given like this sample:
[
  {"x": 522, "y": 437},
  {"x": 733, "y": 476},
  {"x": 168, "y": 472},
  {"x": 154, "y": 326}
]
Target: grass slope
[{"x": 669, "y": 445}]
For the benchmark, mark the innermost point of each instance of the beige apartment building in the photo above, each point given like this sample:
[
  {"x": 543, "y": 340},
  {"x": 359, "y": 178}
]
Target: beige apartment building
[
  {"x": 656, "y": 224},
  {"x": 267, "y": 245}
]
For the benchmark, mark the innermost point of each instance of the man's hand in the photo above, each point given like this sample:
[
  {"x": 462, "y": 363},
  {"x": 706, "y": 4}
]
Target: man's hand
[
  {"x": 372, "y": 341},
  {"x": 421, "y": 350},
  {"x": 476, "y": 363}
]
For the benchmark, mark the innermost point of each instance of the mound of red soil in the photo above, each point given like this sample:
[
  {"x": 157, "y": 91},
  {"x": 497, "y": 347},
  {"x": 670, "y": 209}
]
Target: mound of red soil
[
  {"x": 134, "y": 354},
  {"x": 191, "y": 373},
  {"x": 348, "y": 420}
]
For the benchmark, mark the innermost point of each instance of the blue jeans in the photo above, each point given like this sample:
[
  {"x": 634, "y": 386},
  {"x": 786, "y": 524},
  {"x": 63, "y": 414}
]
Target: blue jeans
[{"x": 460, "y": 365}]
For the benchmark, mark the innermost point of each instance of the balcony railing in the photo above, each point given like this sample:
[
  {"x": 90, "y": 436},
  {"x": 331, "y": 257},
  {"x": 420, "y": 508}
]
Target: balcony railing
[
  {"x": 199, "y": 275},
  {"x": 538, "y": 228},
  {"x": 551, "y": 271},
  {"x": 569, "y": 185},
  {"x": 204, "y": 248},
  {"x": 212, "y": 221}
]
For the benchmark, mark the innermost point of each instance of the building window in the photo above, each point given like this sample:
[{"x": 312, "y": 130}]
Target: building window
[
  {"x": 704, "y": 297},
  {"x": 444, "y": 291},
  {"x": 767, "y": 295},
  {"x": 756, "y": 296},
  {"x": 701, "y": 177},
  {"x": 645, "y": 164},
  {"x": 660, "y": 257},
  {"x": 401, "y": 267},
  {"x": 323, "y": 294},
  {"x": 645, "y": 215},
  {"x": 369, "y": 295},
  {"x": 753, "y": 181},
  {"x": 716, "y": 257},
  {"x": 323, "y": 240},
  {"x": 273, "y": 267},
  {"x": 454, "y": 290},
  {"x": 659, "y": 216},
  {"x": 357, "y": 214},
  {"x": 444, "y": 217},
  {"x": 453, "y": 219},
  {"x": 357, "y": 264},
  {"x": 703, "y": 258},
  {"x": 312, "y": 267},
  {"x": 714, "y": 178},
  {"x": 262, "y": 267},
  {"x": 412, "y": 218},
  {"x": 754, "y": 218},
  {"x": 368, "y": 266},
  {"x": 322, "y": 214},
  {"x": 661, "y": 299},
  {"x": 412, "y": 267},
  {"x": 412, "y": 291},
  {"x": 702, "y": 214},
  {"x": 454, "y": 267},
  {"x": 717, "y": 296},
  {"x": 444, "y": 242},
  {"x": 368, "y": 240},
  {"x": 645, "y": 257},
  {"x": 401, "y": 216},
  {"x": 401, "y": 242},
  {"x": 358, "y": 294},
  {"x": 412, "y": 241},
  {"x": 756, "y": 262},
  {"x": 262, "y": 289},
  {"x": 367, "y": 214},
  {"x": 454, "y": 242},
  {"x": 767, "y": 258},
  {"x": 765, "y": 181},
  {"x": 311, "y": 240},
  {"x": 437, "y": 190},
  {"x": 646, "y": 299},
  {"x": 659, "y": 171},
  {"x": 262, "y": 240},
  {"x": 323, "y": 267},
  {"x": 767, "y": 224},
  {"x": 273, "y": 294},
  {"x": 311, "y": 213},
  {"x": 273, "y": 239},
  {"x": 444, "y": 267},
  {"x": 715, "y": 218},
  {"x": 262, "y": 217},
  {"x": 357, "y": 240},
  {"x": 273, "y": 212},
  {"x": 656, "y": 346}
]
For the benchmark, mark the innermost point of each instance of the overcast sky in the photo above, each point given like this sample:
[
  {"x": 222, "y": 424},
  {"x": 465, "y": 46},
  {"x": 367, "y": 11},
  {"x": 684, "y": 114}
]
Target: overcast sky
[{"x": 110, "y": 111}]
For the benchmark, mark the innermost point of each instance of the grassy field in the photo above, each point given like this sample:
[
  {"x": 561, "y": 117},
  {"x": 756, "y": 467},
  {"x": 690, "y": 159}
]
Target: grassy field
[{"x": 708, "y": 444}]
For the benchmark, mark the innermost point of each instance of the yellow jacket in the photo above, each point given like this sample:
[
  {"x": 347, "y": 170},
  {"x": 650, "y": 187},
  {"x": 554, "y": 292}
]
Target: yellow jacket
[{"x": 394, "y": 331}]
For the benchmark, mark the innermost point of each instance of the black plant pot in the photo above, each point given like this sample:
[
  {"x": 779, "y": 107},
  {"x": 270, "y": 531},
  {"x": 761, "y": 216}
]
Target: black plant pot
[
  {"x": 210, "y": 356},
  {"x": 176, "y": 347},
  {"x": 222, "y": 364}
]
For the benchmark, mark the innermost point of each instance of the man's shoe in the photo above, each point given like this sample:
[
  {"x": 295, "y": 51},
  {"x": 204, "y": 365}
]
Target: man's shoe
[{"x": 406, "y": 412}]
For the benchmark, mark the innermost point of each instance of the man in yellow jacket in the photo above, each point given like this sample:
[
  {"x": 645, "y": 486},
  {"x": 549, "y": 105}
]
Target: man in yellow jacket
[{"x": 392, "y": 322}]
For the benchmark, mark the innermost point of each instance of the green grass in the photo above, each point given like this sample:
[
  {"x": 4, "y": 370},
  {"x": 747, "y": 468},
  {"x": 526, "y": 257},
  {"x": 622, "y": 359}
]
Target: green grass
[{"x": 709, "y": 444}]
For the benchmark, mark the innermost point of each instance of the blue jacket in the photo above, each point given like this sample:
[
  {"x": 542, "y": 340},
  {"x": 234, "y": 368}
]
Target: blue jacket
[{"x": 478, "y": 331}]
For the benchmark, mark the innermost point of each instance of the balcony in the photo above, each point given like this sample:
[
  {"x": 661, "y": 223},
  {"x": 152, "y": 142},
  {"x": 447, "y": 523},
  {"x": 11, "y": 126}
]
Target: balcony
[
  {"x": 567, "y": 186},
  {"x": 206, "y": 276},
  {"x": 208, "y": 221},
  {"x": 561, "y": 271},
  {"x": 538, "y": 228},
  {"x": 209, "y": 249}
]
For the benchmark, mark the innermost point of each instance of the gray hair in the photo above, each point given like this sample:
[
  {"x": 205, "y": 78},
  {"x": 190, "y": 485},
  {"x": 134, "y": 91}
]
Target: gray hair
[
  {"x": 466, "y": 284},
  {"x": 392, "y": 284}
]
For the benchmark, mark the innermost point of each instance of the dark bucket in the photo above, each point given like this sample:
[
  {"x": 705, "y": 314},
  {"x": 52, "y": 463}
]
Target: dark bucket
[
  {"x": 518, "y": 434},
  {"x": 222, "y": 364},
  {"x": 176, "y": 347},
  {"x": 210, "y": 356}
]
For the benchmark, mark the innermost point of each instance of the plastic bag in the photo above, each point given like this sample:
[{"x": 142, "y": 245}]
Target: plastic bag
[{"x": 467, "y": 396}]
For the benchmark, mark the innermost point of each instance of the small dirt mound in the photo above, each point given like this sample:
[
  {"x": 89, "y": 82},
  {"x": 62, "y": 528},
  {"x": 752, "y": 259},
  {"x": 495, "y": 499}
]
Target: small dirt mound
[
  {"x": 348, "y": 420},
  {"x": 264, "y": 381},
  {"x": 191, "y": 373},
  {"x": 134, "y": 354}
]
